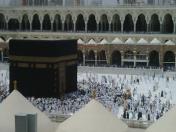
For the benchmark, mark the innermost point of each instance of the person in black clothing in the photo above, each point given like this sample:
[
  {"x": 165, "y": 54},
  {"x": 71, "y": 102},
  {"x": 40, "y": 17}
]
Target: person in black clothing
[
  {"x": 127, "y": 115},
  {"x": 137, "y": 80},
  {"x": 124, "y": 114},
  {"x": 148, "y": 117},
  {"x": 162, "y": 93},
  {"x": 139, "y": 115},
  {"x": 157, "y": 116}
]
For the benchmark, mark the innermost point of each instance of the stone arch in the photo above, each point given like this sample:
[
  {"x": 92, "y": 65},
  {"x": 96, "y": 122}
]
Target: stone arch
[
  {"x": 141, "y": 25},
  {"x": 128, "y": 25},
  {"x": 13, "y": 24},
  {"x": 57, "y": 25},
  {"x": 80, "y": 12},
  {"x": 169, "y": 60},
  {"x": 2, "y": 22},
  {"x": 116, "y": 58},
  {"x": 80, "y": 57},
  {"x": 36, "y": 22},
  {"x": 154, "y": 23},
  {"x": 116, "y": 24},
  {"x": 90, "y": 57},
  {"x": 25, "y": 24},
  {"x": 80, "y": 24},
  {"x": 46, "y": 22},
  {"x": 92, "y": 12},
  {"x": 101, "y": 58},
  {"x": 154, "y": 58},
  {"x": 92, "y": 24},
  {"x": 103, "y": 24},
  {"x": 68, "y": 25},
  {"x": 168, "y": 24}
]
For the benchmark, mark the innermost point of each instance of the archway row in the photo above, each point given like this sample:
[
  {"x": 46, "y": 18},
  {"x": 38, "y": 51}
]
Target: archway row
[
  {"x": 91, "y": 58},
  {"x": 103, "y": 25}
]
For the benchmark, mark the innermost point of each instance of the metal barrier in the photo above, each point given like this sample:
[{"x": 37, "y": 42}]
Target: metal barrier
[
  {"x": 131, "y": 123},
  {"x": 137, "y": 123}
]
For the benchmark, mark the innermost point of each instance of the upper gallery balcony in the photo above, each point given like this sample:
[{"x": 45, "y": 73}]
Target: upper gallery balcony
[{"x": 88, "y": 3}]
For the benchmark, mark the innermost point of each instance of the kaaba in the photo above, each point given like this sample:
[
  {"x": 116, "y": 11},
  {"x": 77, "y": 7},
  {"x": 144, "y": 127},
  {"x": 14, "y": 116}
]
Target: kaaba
[{"x": 43, "y": 68}]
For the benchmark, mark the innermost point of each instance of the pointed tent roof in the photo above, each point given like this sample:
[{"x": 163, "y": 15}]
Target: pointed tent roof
[
  {"x": 170, "y": 42},
  {"x": 7, "y": 41},
  {"x": 80, "y": 41},
  {"x": 1, "y": 40},
  {"x": 117, "y": 41},
  {"x": 130, "y": 41},
  {"x": 165, "y": 123},
  {"x": 92, "y": 42},
  {"x": 142, "y": 41},
  {"x": 155, "y": 41},
  {"x": 104, "y": 41},
  {"x": 16, "y": 103},
  {"x": 92, "y": 118}
]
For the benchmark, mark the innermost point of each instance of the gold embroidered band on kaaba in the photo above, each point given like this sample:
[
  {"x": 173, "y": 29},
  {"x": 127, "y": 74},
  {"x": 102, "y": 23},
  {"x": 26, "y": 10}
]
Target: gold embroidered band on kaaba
[{"x": 42, "y": 59}]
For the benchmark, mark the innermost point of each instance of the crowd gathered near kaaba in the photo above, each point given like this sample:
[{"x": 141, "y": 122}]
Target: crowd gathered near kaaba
[{"x": 134, "y": 97}]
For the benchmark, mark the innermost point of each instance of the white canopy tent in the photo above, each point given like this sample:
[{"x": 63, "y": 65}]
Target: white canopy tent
[
  {"x": 170, "y": 42},
  {"x": 16, "y": 103},
  {"x": 165, "y": 123},
  {"x": 142, "y": 41},
  {"x": 155, "y": 41},
  {"x": 80, "y": 41},
  {"x": 7, "y": 41},
  {"x": 92, "y": 42},
  {"x": 104, "y": 41},
  {"x": 1, "y": 40},
  {"x": 92, "y": 118},
  {"x": 130, "y": 41},
  {"x": 117, "y": 41}
]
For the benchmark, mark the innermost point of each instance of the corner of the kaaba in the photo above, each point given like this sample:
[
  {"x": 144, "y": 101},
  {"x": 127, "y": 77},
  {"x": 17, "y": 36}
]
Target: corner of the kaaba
[{"x": 43, "y": 68}]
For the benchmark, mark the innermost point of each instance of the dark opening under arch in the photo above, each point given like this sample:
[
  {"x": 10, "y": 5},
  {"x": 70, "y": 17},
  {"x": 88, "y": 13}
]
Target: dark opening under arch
[
  {"x": 116, "y": 58},
  {"x": 101, "y": 58},
  {"x": 128, "y": 25},
  {"x": 46, "y": 23},
  {"x": 35, "y": 22},
  {"x": 141, "y": 25},
  {"x": 80, "y": 57},
  {"x": 169, "y": 60},
  {"x": 25, "y": 25},
  {"x": 90, "y": 58},
  {"x": 92, "y": 24},
  {"x": 154, "y": 59},
  {"x": 80, "y": 24}
]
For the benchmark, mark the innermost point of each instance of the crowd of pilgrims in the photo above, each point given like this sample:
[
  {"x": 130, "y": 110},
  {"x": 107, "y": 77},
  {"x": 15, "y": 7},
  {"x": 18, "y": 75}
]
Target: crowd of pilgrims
[
  {"x": 4, "y": 85},
  {"x": 119, "y": 94}
]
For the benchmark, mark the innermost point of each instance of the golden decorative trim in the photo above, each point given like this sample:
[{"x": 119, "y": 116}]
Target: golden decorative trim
[
  {"x": 40, "y": 65},
  {"x": 24, "y": 65},
  {"x": 71, "y": 63},
  {"x": 42, "y": 59}
]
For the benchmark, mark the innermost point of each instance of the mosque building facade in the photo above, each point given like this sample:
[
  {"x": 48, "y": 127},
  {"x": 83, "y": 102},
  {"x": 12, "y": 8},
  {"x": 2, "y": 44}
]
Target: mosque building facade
[{"x": 122, "y": 35}]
